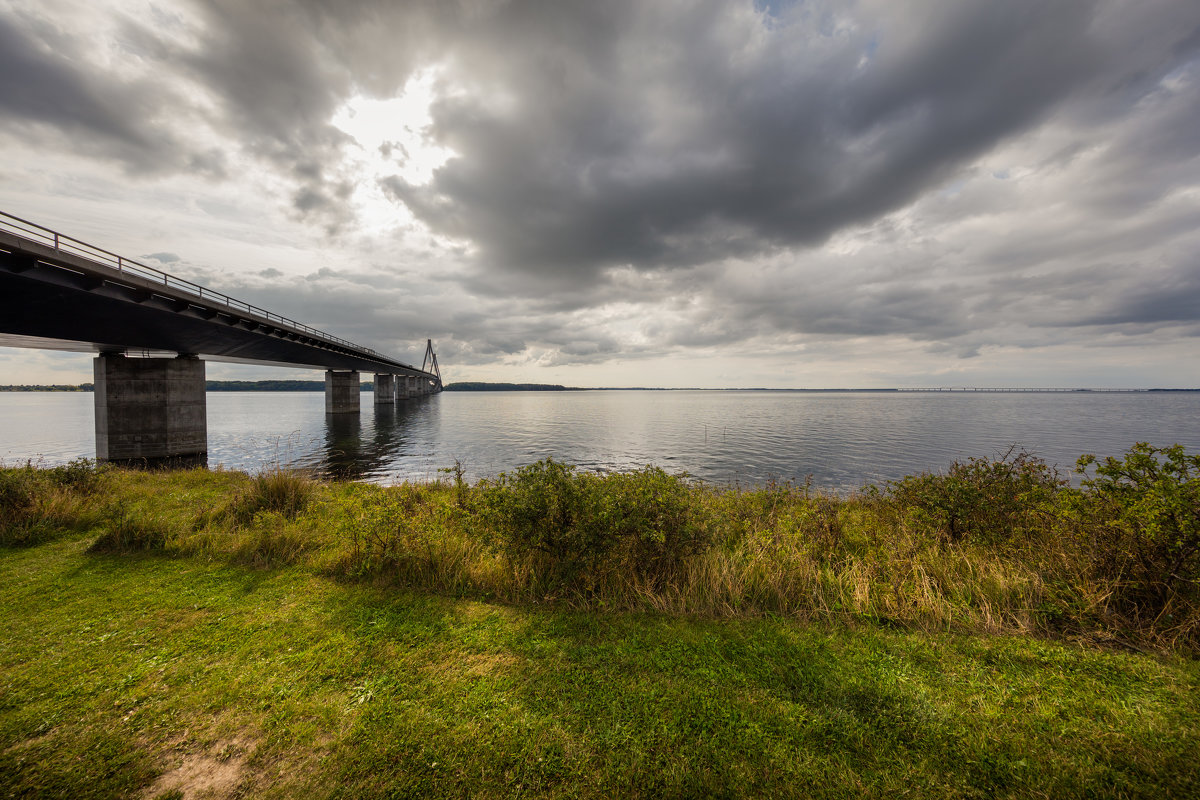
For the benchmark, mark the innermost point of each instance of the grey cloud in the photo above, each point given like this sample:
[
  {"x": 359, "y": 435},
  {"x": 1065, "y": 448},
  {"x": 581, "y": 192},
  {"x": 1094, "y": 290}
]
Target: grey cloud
[
  {"x": 42, "y": 88},
  {"x": 163, "y": 258},
  {"x": 281, "y": 71},
  {"x": 1154, "y": 300},
  {"x": 688, "y": 133}
]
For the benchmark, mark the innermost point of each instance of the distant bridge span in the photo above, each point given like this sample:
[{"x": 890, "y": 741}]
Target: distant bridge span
[{"x": 60, "y": 293}]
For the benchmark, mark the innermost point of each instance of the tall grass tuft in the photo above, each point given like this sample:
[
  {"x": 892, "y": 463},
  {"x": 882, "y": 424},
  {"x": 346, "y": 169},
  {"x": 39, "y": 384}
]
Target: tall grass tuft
[
  {"x": 278, "y": 491},
  {"x": 125, "y": 531},
  {"x": 38, "y": 504}
]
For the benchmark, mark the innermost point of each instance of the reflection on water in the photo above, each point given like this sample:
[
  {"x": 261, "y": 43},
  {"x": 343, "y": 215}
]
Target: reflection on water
[
  {"x": 843, "y": 439},
  {"x": 365, "y": 445}
]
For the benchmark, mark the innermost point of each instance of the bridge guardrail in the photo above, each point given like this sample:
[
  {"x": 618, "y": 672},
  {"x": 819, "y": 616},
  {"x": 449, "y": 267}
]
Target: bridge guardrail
[{"x": 68, "y": 244}]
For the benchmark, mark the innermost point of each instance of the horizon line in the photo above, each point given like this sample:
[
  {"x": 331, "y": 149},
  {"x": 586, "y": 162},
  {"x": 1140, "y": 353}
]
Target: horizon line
[{"x": 530, "y": 386}]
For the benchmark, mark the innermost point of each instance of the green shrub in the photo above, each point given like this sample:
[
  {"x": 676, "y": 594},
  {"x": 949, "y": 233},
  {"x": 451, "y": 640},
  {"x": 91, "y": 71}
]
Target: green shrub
[
  {"x": 582, "y": 529},
  {"x": 1149, "y": 505},
  {"x": 374, "y": 521},
  {"x": 549, "y": 509},
  {"x": 650, "y": 515},
  {"x": 989, "y": 501}
]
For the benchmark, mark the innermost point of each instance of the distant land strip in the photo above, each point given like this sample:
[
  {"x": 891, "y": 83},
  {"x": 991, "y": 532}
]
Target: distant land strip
[{"x": 480, "y": 386}]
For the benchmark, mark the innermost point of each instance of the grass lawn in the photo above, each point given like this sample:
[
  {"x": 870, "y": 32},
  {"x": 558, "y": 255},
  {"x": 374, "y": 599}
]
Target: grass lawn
[{"x": 155, "y": 676}]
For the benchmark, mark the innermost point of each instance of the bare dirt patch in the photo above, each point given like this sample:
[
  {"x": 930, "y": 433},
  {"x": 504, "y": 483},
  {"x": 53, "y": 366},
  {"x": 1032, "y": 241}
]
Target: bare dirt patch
[{"x": 213, "y": 775}]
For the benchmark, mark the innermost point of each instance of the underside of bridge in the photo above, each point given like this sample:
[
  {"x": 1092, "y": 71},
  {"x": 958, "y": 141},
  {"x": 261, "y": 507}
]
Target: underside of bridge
[{"x": 152, "y": 332}]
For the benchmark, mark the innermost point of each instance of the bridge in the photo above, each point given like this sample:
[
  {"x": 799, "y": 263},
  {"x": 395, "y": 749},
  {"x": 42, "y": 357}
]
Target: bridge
[{"x": 152, "y": 333}]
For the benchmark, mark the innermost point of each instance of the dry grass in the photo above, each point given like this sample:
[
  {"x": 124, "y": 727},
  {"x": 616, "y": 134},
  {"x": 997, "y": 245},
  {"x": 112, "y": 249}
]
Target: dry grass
[{"x": 779, "y": 550}]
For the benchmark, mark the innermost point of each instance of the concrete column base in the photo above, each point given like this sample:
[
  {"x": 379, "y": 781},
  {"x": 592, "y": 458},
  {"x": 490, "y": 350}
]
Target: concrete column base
[
  {"x": 149, "y": 408},
  {"x": 385, "y": 390},
  {"x": 343, "y": 394}
]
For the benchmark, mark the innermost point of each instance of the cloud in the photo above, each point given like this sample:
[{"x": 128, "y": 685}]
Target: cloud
[
  {"x": 633, "y": 181},
  {"x": 684, "y": 133},
  {"x": 43, "y": 89}
]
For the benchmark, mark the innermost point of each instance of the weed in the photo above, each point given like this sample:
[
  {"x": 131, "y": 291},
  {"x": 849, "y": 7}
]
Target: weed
[{"x": 82, "y": 475}]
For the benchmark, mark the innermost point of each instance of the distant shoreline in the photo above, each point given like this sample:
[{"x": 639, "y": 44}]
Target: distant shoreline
[{"x": 477, "y": 386}]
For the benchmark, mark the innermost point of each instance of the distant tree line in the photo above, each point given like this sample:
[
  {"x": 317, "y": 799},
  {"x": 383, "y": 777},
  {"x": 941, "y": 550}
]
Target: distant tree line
[
  {"x": 265, "y": 386},
  {"x": 48, "y": 387},
  {"x": 479, "y": 386}
]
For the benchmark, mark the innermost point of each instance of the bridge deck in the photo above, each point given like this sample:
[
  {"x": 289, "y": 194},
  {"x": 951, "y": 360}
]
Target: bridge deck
[{"x": 57, "y": 292}]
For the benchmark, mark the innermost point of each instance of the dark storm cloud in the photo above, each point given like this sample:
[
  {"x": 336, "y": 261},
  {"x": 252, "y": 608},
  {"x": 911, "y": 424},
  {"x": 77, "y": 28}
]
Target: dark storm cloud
[
  {"x": 677, "y": 134},
  {"x": 42, "y": 87}
]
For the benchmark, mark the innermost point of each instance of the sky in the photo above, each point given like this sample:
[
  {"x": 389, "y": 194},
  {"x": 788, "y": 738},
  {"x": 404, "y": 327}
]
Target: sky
[{"x": 678, "y": 194}]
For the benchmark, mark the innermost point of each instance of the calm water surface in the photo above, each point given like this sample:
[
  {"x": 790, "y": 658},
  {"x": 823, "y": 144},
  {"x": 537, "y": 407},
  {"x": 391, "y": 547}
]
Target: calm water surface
[{"x": 843, "y": 439}]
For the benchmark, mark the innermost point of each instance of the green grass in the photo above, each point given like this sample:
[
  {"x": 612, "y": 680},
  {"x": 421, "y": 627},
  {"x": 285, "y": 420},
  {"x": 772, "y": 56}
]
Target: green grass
[
  {"x": 119, "y": 670},
  {"x": 556, "y": 634}
]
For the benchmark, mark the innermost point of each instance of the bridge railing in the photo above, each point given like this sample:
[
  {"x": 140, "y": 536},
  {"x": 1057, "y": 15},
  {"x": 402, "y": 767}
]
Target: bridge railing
[{"x": 62, "y": 243}]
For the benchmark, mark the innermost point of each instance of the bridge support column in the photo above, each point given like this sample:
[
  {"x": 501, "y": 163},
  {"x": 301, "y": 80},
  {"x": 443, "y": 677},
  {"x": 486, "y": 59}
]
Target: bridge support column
[
  {"x": 343, "y": 394},
  {"x": 410, "y": 386},
  {"x": 385, "y": 389},
  {"x": 149, "y": 408}
]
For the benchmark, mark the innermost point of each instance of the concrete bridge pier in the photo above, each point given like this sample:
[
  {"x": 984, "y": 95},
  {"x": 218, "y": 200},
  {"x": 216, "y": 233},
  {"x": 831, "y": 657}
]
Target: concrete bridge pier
[
  {"x": 343, "y": 394},
  {"x": 385, "y": 389},
  {"x": 150, "y": 409},
  {"x": 411, "y": 386}
]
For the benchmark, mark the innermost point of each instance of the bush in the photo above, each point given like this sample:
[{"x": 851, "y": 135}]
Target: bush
[
  {"x": 649, "y": 515},
  {"x": 1149, "y": 504},
  {"x": 989, "y": 501},
  {"x": 20, "y": 491},
  {"x": 400, "y": 531},
  {"x": 582, "y": 529}
]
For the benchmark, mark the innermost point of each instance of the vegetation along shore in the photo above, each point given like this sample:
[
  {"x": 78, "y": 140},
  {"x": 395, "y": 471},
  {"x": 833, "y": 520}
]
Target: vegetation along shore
[{"x": 989, "y": 630}]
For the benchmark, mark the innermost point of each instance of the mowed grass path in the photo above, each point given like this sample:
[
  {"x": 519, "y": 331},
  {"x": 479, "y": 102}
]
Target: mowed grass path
[{"x": 150, "y": 676}]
